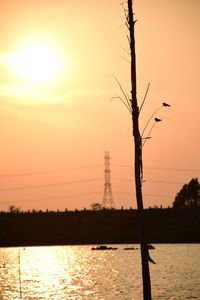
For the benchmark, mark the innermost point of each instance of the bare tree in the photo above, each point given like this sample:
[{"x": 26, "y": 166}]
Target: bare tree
[
  {"x": 140, "y": 139},
  {"x": 130, "y": 22}
]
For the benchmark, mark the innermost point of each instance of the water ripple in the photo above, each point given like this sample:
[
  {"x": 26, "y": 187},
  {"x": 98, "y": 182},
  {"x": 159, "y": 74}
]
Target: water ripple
[{"x": 77, "y": 273}]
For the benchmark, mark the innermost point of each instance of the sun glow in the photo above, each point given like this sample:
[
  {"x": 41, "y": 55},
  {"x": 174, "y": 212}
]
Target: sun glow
[
  {"x": 35, "y": 63},
  {"x": 37, "y": 70}
]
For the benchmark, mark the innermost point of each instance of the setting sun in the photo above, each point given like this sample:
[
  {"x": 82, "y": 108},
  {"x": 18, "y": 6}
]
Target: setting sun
[{"x": 35, "y": 63}]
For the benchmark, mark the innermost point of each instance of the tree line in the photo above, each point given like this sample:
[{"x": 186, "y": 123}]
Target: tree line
[{"x": 188, "y": 196}]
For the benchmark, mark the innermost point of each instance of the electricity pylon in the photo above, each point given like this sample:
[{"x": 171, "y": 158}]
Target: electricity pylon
[{"x": 107, "y": 196}]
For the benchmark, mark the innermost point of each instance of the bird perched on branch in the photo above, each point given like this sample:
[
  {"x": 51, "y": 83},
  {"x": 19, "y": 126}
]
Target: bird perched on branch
[
  {"x": 166, "y": 105},
  {"x": 157, "y": 120}
]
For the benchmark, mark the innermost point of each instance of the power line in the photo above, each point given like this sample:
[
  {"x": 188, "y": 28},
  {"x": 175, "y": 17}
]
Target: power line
[
  {"x": 150, "y": 181},
  {"x": 48, "y": 184},
  {"x": 158, "y": 195},
  {"x": 163, "y": 181},
  {"x": 51, "y": 198},
  {"x": 49, "y": 171},
  {"x": 79, "y": 195},
  {"x": 91, "y": 167},
  {"x": 149, "y": 195},
  {"x": 174, "y": 169},
  {"x": 78, "y": 181},
  {"x": 161, "y": 168}
]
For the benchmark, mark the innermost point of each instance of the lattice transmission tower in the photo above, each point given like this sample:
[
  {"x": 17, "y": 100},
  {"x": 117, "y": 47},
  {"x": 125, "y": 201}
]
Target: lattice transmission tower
[{"x": 107, "y": 196}]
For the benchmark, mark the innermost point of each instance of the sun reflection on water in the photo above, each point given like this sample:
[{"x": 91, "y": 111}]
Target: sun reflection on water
[
  {"x": 44, "y": 271},
  {"x": 76, "y": 273}
]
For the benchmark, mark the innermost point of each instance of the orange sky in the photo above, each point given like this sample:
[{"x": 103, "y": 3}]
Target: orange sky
[{"x": 70, "y": 122}]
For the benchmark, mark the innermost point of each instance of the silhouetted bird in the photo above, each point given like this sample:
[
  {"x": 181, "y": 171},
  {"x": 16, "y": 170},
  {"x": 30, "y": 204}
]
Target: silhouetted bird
[
  {"x": 157, "y": 120},
  {"x": 165, "y": 104}
]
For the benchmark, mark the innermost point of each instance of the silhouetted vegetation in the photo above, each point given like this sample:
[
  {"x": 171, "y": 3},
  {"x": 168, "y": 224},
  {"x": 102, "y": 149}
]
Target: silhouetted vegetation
[
  {"x": 170, "y": 225},
  {"x": 14, "y": 209},
  {"x": 189, "y": 195},
  {"x": 96, "y": 206}
]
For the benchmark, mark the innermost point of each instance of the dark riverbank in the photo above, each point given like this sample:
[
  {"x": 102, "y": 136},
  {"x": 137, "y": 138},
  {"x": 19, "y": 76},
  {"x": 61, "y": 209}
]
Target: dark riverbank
[{"x": 98, "y": 227}]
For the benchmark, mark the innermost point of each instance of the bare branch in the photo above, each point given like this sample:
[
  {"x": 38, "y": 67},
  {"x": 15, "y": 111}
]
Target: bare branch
[
  {"x": 119, "y": 98},
  {"x": 122, "y": 25},
  {"x": 126, "y": 51},
  {"x": 144, "y": 97},
  {"x": 124, "y": 94},
  {"x": 125, "y": 59},
  {"x": 148, "y": 135},
  {"x": 150, "y": 120},
  {"x": 128, "y": 38},
  {"x": 164, "y": 104},
  {"x": 127, "y": 25}
]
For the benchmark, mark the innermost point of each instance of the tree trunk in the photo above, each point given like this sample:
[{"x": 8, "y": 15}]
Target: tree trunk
[{"x": 138, "y": 160}]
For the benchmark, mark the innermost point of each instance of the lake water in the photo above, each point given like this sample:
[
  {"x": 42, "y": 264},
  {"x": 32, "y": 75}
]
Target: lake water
[{"x": 76, "y": 272}]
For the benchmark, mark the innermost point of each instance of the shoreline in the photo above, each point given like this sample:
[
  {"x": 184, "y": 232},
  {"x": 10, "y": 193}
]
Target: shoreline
[{"x": 165, "y": 226}]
